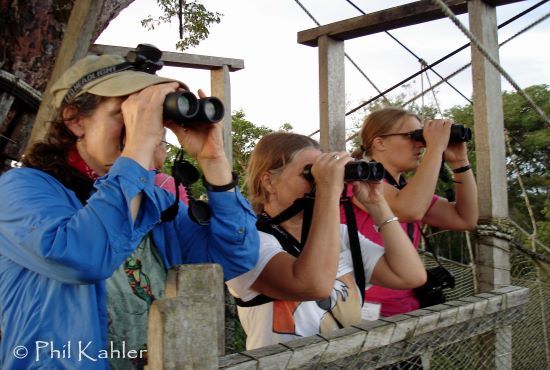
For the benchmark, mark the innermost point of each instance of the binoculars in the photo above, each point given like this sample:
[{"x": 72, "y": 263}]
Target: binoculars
[
  {"x": 459, "y": 134},
  {"x": 356, "y": 171},
  {"x": 184, "y": 108}
]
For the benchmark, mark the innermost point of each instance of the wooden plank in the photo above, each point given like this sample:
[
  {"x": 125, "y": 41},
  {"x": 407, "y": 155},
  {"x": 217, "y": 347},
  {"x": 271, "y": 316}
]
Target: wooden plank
[
  {"x": 332, "y": 92},
  {"x": 385, "y": 20},
  {"x": 306, "y": 352},
  {"x": 342, "y": 343},
  {"x": 78, "y": 37},
  {"x": 220, "y": 85},
  {"x": 183, "y": 60}
]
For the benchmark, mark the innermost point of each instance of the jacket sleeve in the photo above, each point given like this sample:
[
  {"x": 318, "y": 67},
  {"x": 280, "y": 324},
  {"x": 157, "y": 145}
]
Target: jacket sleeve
[
  {"x": 231, "y": 238},
  {"x": 44, "y": 228}
]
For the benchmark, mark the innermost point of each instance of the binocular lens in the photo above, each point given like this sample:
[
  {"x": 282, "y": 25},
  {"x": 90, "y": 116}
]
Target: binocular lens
[
  {"x": 211, "y": 110},
  {"x": 180, "y": 106},
  {"x": 363, "y": 171},
  {"x": 356, "y": 171},
  {"x": 184, "y": 108}
]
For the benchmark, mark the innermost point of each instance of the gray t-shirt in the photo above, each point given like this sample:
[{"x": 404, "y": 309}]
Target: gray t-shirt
[{"x": 130, "y": 292}]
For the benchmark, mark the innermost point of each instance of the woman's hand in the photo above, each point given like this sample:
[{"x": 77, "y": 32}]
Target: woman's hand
[
  {"x": 205, "y": 143},
  {"x": 367, "y": 192},
  {"x": 436, "y": 133},
  {"x": 328, "y": 172},
  {"x": 142, "y": 115},
  {"x": 457, "y": 155}
]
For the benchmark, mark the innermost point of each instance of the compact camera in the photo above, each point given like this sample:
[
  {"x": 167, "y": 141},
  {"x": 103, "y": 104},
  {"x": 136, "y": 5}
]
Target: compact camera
[
  {"x": 356, "y": 171},
  {"x": 459, "y": 134}
]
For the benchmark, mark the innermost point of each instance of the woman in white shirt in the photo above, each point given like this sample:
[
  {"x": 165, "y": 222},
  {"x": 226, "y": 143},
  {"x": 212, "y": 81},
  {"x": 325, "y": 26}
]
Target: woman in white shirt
[{"x": 286, "y": 297}]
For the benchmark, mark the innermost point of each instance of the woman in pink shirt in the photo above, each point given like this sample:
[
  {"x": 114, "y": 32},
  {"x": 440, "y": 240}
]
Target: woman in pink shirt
[{"x": 386, "y": 138}]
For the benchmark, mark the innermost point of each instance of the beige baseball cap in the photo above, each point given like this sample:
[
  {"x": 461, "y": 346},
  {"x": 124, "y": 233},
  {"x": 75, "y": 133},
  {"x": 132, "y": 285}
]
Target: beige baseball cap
[{"x": 98, "y": 75}]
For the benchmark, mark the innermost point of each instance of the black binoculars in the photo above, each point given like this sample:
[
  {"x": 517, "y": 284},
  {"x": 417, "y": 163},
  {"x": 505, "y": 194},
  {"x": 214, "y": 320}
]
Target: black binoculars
[
  {"x": 459, "y": 134},
  {"x": 184, "y": 108},
  {"x": 356, "y": 171}
]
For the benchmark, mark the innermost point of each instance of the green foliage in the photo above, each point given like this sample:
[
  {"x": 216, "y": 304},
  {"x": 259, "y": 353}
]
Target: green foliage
[
  {"x": 530, "y": 151},
  {"x": 245, "y": 135},
  {"x": 196, "y": 20}
]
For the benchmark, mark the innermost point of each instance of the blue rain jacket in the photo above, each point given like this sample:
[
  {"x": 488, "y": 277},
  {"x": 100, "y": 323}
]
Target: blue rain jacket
[{"x": 55, "y": 255}]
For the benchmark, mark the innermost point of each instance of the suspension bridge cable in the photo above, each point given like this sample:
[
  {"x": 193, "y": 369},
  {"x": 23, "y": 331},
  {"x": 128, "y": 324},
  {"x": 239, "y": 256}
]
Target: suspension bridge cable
[
  {"x": 544, "y": 17},
  {"x": 452, "y": 53},
  {"x": 487, "y": 56},
  {"x": 345, "y": 54},
  {"x": 419, "y": 59}
]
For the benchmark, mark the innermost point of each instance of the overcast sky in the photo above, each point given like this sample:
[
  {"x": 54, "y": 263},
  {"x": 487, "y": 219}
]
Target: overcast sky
[{"x": 280, "y": 81}]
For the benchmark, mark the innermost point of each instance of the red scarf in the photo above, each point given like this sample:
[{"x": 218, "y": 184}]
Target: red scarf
[{"x": 75, "y": 160}]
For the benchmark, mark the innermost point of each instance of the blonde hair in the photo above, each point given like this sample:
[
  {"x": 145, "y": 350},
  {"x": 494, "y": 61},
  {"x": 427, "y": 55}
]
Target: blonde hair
[
  {"x": 271, "y": 154},
  {"x": 380, "y": 122}
]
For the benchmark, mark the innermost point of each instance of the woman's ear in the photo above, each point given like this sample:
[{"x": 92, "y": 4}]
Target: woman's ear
[
  {"x": 266, "y": 180},
  {"x": 71, "y": 119},
  {"x": 378, "y": 144}
]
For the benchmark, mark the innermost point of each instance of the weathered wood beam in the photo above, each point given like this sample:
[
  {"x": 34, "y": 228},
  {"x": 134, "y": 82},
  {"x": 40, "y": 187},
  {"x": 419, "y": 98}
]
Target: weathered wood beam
[
  {"x": 183, "y": 60},
  {"x": 387, "y": 19},
  {"x": 78, "y": 36}
]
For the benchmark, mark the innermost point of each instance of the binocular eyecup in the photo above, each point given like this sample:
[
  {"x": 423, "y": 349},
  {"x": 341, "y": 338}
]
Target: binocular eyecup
[
  {"x": 359, "y": 170},
  {"x": 459, "y": 134},
  {"x": 184, "y": 108}
]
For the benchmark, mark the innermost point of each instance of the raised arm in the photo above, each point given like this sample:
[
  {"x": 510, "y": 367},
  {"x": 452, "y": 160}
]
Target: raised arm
[
  {"x": 400, "y": 267},
  {"x": 311, "y": 276}
]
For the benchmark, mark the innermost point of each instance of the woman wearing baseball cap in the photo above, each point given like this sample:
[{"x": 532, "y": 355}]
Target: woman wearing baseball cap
[{"x": 84, "y": 247}]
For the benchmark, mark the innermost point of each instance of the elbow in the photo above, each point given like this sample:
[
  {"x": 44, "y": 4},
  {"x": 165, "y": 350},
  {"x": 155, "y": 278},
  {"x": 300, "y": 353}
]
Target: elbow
[
  {"x": 409, "y": 215},
  {"x": 470, "y": 226},
  {"x": 419, "y": 279},
  {"x": 414, "y": 281},
  {"x": 316, "y": 291}
]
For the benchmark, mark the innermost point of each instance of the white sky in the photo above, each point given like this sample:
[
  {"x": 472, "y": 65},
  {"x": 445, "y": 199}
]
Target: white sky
[{"x": 280, "y": 81}]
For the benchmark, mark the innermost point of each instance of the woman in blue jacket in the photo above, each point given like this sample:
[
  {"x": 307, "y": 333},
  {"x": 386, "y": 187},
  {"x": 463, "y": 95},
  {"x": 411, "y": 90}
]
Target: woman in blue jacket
[{"x": 83, "y": 250}]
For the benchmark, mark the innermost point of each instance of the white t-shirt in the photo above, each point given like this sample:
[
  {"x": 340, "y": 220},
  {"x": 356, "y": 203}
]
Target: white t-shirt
[{"x": 280, "y": 321}]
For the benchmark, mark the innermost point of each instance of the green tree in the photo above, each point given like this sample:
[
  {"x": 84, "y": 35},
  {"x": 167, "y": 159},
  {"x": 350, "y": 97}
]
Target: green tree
[
  {"x": 529, "y": 138},
  {"x": 245, "y": 135},
  {"x": 194, "y": 20}
]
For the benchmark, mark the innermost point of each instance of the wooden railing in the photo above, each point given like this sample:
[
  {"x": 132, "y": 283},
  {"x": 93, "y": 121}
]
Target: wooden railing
[{"x": 186, "y": 330}]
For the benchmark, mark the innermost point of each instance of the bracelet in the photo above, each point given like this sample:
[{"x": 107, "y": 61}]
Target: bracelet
[
  {"x": 462, "y": 169},
  {"x": 391, "y": 219},
  {"x": 220, "y": 188}
]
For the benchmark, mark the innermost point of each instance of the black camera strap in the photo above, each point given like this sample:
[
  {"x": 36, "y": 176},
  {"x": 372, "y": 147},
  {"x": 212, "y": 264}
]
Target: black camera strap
[
  {"x": 289, "y": 243},
  {"x": 355, "y": 247},
  {"x": 292, "y": 246}
]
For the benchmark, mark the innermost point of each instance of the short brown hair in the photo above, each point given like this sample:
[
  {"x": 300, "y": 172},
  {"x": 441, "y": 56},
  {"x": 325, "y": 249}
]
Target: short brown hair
[
  {"x": 271, "y": 154},
  {"x": 379, "y": 122}
]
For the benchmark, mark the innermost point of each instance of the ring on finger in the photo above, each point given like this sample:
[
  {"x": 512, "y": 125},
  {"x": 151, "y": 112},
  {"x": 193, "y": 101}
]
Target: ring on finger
[{"x": 335, "y": 156}]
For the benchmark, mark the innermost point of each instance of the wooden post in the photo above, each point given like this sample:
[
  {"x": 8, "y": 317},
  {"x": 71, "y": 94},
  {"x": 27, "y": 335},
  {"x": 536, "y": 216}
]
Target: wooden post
[
  {"x": 221, "y": 88},
  {"x": 77, "y": 40},
  {"x": 492, "y": 257},
  {"x": 186, "y": 328},
  {"x": 332, "y": 91}
]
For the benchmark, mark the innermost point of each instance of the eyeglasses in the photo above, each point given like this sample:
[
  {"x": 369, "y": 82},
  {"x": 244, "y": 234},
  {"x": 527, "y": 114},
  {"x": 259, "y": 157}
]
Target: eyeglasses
[{"x": 407, "y": 135}]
